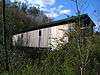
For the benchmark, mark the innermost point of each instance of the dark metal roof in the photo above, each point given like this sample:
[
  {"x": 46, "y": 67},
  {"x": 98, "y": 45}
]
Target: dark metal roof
[{"x": 72, "y": 19}]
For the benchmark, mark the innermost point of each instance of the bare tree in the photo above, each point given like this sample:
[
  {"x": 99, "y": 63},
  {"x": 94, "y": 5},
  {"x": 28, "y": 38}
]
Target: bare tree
[{"x": 85, "y": 45}]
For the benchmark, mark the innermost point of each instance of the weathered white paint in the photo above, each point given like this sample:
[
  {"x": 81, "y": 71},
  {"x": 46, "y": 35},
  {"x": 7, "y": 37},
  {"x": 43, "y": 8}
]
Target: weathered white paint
[{"x": 50, "y": 35}]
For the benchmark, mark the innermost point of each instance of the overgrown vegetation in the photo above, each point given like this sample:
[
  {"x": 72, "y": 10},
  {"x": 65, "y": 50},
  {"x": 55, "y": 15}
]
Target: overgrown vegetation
[
  {"x": 63, "y": 61},
  {"x": 80, "y": 56}
]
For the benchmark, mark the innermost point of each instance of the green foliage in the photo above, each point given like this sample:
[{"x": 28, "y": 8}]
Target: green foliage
[
  {"x": 67, "y": 59},
  {"x": 63, "y": 61},
  {"x": 27, "y": 70},
  {"x": 79, "y": 52}
]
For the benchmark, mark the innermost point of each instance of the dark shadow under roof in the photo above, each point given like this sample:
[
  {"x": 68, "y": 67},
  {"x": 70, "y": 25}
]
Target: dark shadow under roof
[{"x": 72, "y": 19}]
